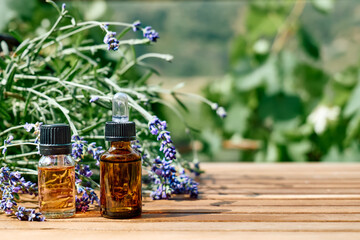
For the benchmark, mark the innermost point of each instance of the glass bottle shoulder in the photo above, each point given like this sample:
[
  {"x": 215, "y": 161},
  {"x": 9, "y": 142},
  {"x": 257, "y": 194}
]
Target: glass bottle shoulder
[
  {"x": 56, "y": 161},
  {"x": 120, "y": 155}
]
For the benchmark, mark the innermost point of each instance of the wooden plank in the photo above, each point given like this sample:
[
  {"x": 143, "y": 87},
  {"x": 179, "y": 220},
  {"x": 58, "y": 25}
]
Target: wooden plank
[
  {"x": 299, "y": 191},
  {"x": 262, "y": 201},
  {"x": 156, "y": 235},
  {"x": 280, "y": 196},
  {"x": 235, "y": 217},
  {"x": 127, "y": 225}
]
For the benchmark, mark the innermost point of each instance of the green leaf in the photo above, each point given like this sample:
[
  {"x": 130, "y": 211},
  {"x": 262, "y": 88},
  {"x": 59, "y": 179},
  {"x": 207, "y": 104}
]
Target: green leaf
[
  {"x": 2, "y": 63},
  {"x": 182, "y": 105},
  {"x": 279, "y": 107},
  {"x": 10, "y": 78},
  {"x": 353, "y": 104},
  {"x": 144, "y": 78},
  {"x": 266, "y": 75},
  {"x": 16, "y": 196},
  {"x": 236, "y": 119},
  {"x": 4, "y": 111},
  {"x": 16, "y": 35},
  {"x": 309, "y": 43},
  {"x": 298, "y": 151},
  {"x": 92, "y": 127},
  {"x": 104, "y": 103}
]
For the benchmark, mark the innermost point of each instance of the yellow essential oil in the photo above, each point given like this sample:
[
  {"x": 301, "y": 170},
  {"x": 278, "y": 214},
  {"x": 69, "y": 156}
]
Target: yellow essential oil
[{"x": 56, "y": 172}]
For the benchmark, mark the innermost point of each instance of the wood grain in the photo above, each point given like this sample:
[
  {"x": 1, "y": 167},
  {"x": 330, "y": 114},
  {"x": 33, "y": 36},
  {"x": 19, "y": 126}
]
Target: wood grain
[{"x": 237, "y": 201}]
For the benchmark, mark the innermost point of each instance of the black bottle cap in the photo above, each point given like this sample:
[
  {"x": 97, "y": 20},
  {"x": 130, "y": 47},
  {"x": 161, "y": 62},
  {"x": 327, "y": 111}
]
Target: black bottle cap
[
  {"x": 55, "y": 139},
  {"x": 120, "y": 131}
]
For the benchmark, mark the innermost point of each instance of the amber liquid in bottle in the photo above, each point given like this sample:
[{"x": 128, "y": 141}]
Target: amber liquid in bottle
[
  {"x": 120, "y": 182},
  {"x": 57, "y": 191}
]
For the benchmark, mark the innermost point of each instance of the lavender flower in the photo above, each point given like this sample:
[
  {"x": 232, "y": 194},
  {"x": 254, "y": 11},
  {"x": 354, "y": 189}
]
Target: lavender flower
[
  {"x": 158, "y": 127},
  {"x": 82, "y": 204},
  {"x": 185, "y": 185},
  {"x": 7, "y": 142},
  {"x": 136, "y": 25},
  {"x": 9, "y": 139},
  {"x": 10, "y": 185},
  {"x": 150, "y": 34},
  {"x": 166, "y": 182},
  {"x": 84, "y": 170},
  {"x": 78, "y": 148},
  {"x": 105, "y": 26},
  {"x": 111, "y": 41},
  {"x": 88, "y": 197},
  {"x": 29, "y": 126},
  {"x": 24, "y": 214},
  {"x": 94, "y": 99},
  {"x": 95, "y": 151},
  {"x": 137, "y": 147}
]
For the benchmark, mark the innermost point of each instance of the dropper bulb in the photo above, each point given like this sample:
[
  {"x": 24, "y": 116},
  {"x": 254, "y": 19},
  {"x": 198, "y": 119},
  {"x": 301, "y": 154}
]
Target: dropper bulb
[{"x": 120, "y": 108}]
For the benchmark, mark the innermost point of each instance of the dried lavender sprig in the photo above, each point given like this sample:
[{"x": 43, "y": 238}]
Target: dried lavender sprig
[
  {"x": 158, "y": 128},
  {"x": 88, "y": 197},
  {"x": 95, "y": 151},
  {"x": 167, "y": 183},
  {"x": 82, "y": 204},
  {"x": 78, "y": 148},
  {"x": 24, "y": 214},
  {"x": 10, "y": 185}
]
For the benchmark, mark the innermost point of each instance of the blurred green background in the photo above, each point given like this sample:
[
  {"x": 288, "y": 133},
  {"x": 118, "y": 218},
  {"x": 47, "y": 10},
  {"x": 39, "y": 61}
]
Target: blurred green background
[{"x": 287, "y": 72}]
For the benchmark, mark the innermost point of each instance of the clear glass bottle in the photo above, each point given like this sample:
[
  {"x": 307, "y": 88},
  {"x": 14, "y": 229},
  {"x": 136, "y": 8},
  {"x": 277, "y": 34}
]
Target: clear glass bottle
[
  {"x": 120, "y": 166},
  {"x": 56, "y": 172}
]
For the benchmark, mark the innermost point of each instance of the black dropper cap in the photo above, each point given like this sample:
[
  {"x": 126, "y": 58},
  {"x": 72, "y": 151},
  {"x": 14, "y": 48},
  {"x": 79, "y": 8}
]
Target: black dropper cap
[
  {"x": 55, "y": 139},
  {"x": 120, "y": 131}
]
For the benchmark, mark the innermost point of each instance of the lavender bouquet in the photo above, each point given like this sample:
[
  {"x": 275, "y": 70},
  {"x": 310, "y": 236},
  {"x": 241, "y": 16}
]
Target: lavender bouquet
[{"x": 60, "y": 76}]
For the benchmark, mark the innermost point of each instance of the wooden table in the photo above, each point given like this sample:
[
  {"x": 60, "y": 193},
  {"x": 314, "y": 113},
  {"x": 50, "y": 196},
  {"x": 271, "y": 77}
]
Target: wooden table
[{"x": 237, "y": 201}]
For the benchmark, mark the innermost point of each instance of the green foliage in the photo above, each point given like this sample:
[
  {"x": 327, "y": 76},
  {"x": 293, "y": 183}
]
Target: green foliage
[
  {"x": 283, "y": 94},
  {"x": 52, "y": 77}
]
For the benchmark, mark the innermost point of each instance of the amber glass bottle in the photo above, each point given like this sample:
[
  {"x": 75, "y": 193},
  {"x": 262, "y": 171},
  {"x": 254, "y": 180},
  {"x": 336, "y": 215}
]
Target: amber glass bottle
[
  {"x": 120, "y": 181},
  {"x": 56, "y": 172},
  {"x": 120, "y": 166}
]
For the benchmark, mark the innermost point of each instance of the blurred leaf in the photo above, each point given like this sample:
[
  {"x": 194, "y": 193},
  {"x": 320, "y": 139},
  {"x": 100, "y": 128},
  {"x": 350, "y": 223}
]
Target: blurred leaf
[
  {"x": 308, "y": 42},
  {"x": 279, "y": 107},
  {"x": 353, "y": 128},
  {"x": 323, "y": 6},
  {"x": 182, "y": 105},
  {"x": 4, "y": 48},
  {"x": 353, "y": 105},
  {"x": 16, "y": 35},
  {"x": 272, "y": 153},
  {"x": 212, "y": 141},
  {"x": 266, "y": 75},
  {"x": 310, "y": 82},
  {"x": 350, "y": 154},
  {"x": 4, "y": 111},
  {"x": 298, "y": 150},
  {"x": 236, "y": 119}
]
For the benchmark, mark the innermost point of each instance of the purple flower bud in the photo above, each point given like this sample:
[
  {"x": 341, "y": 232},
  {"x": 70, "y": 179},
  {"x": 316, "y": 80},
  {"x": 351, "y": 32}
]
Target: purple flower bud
[
  {"x": 221, "y": 112},
  {"x": 135, "y": 25},
  {"x": 94, "y": 98}
]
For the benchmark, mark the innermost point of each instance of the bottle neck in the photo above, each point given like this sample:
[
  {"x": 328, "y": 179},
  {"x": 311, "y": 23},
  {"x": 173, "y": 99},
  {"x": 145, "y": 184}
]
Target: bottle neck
[{"x": 120, "y": 145}]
